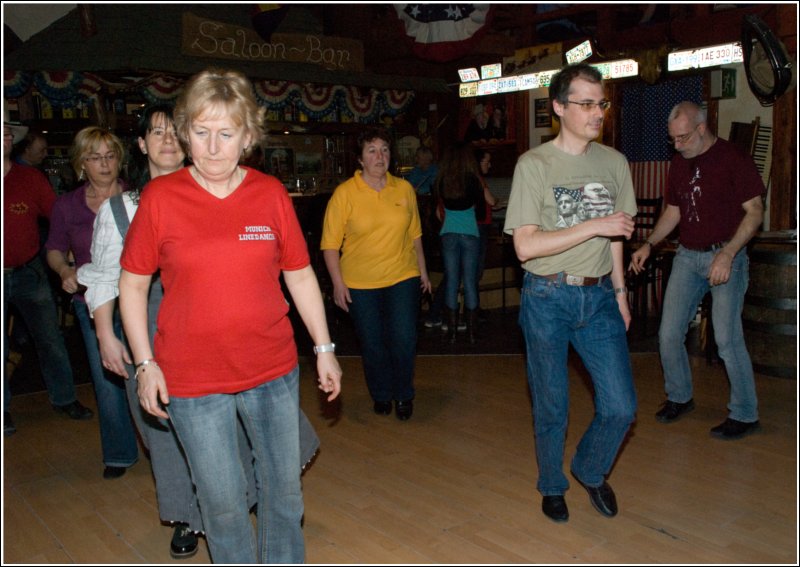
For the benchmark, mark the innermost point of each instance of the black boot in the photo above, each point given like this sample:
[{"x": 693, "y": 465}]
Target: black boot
[
  {"x": 452, "y": 325},
  {"x": 472, "y": 325}
]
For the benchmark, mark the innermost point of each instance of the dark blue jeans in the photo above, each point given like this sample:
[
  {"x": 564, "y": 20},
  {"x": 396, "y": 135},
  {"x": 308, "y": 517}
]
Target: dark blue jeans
[
  {"x": 552, "y": 316},
  {"x": 28, "y": 289},
  {"x": 386, "y": 324},
  {"x": 117, "y": 435},
  {"x": 460, "y": 253}
]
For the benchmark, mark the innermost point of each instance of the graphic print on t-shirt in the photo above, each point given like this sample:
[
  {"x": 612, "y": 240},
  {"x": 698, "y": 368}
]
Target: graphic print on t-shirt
[
  {"x": 574, "y": 206},
  {"x": 691, "y": 197},
  {"x": 257, "y": 232}
]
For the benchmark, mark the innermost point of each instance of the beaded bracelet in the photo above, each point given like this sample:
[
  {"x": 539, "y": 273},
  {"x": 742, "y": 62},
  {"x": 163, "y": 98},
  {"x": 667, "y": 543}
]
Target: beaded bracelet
[{"x": 143, "y": 364}]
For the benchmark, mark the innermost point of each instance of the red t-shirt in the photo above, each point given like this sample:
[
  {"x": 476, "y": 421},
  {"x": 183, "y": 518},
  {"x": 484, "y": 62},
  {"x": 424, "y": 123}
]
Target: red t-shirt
[
  {"x": 27, "y": 195},
  {"x": 223, "y": 324},
  {"x": 709, "y": 191}
]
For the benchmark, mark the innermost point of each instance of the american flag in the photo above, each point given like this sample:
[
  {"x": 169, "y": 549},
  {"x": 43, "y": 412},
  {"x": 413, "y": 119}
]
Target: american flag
[
  {"x": 443, "y": 32},
  {"x": 645, "y": 109}
]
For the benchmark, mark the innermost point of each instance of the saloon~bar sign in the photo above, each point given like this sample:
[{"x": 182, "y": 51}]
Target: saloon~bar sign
[{"x": 208, "y": 38}]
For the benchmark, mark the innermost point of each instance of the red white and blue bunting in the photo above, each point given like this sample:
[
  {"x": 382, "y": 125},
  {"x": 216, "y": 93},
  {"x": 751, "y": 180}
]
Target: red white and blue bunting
[
  {"x": 66, "y": 89},
  {"x": 332, "y": 102},
  {"x": 443, "y": 32}
]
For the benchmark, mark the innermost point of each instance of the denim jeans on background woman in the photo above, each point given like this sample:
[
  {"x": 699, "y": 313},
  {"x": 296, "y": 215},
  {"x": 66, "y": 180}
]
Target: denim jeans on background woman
[
  {"x": 207, "y": 429},
  {"x": 28, "y": 289},
  {"x": 553, "y": 315},
  {"x": 461, "y": 253},
  {"x": 688, "y": 283},
  {"x": 117, "y": 434},
  {"x": 385, "y": 320}
]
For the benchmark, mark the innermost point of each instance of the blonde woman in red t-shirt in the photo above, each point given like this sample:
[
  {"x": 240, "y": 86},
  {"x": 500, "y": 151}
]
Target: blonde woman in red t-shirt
[{"x": 222, "y": 235}]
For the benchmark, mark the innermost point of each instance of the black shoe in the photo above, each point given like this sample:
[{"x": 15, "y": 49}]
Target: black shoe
[
  {"x": 602, "y": 498},
  {"x": 555, "y": 508},
  {"x": 113, "y": 472},
  {"x": 671, "y": 411},
  {"x": 404, "y": 409},
  {"x": 75, "y": 410},
  {"x": 184, "y": 542},
  {"x": 732, "y": 429},
  {"x": 382, "y": 408}
]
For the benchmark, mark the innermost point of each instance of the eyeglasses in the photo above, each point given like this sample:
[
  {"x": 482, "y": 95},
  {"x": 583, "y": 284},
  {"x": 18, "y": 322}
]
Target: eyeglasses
[
  {"x": 96, "y": 158},
  {"x": 683, "y": 138},
  {"x": 589, "y": 106}
]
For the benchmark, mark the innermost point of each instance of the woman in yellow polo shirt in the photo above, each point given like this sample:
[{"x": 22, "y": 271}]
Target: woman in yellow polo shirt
[{"x": 372, "y": 218}]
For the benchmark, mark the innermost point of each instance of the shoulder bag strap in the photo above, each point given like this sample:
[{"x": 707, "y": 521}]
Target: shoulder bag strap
[{"x": 120, "y": 214}]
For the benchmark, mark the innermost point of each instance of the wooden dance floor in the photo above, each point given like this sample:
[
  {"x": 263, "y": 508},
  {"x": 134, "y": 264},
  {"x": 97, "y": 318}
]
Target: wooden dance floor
[{"x": 455, "y": 484}]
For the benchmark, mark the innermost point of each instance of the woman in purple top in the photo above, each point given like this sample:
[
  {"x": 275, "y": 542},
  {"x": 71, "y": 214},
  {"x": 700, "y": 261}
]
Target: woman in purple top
[{"x": 96, "y": 156}]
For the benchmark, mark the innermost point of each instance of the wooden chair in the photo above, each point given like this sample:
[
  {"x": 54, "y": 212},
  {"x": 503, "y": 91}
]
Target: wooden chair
[{"x": 644, "y": 287}]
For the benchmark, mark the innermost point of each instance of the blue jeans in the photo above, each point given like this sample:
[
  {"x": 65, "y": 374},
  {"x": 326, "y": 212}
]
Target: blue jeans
[
  {"x": 207, "y": 428},
  {"x": 553, "y": 315},
  {"x": 484, "y": 230},
  {"x": 385, "y": 320},
  {"x": 461, "y": 253},
  {"x": 117, "y": 434},
  {"x": 28, "y": 289},
  {"x": 687, "y": 285}
]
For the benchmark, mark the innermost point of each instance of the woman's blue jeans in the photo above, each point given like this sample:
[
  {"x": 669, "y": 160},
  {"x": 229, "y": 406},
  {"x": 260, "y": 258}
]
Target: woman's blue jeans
[
  {"x": 554, "y": 315},
  {"x": 117, "y": 434},
  {"x": 688, "y": 283},
  {"x": 207, "y": 429},
  {"x": 385, "y": 320},
  {"x": 461, "y": 253}
]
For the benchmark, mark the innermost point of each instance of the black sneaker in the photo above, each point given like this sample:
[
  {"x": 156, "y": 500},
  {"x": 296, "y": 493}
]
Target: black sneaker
[
  {"x": 184, "y": 542},
  {"x": 671, "y": 411},
  {"x": 733, "y": 429},
  {"x": 75, "y": 410}
]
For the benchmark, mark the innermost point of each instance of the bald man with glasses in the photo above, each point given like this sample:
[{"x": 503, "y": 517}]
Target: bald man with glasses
[{"x": 715, "y": 198}]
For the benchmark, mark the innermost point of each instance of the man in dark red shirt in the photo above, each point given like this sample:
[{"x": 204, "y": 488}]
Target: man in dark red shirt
[
  {"x": 715, "y": 199},
  {"x": 27, "y": 196}
]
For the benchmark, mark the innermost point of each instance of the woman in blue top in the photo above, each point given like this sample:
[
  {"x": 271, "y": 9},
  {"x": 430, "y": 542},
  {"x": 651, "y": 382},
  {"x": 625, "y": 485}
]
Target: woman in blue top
[{"x": 458, "y": 188}]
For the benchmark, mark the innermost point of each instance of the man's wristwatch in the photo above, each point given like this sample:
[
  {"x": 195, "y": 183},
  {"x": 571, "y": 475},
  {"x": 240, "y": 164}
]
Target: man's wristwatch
[{"x": 329, "y": 347}]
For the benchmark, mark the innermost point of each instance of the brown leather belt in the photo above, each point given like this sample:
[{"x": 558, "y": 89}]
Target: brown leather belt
[{"x": 573, "y": 280}]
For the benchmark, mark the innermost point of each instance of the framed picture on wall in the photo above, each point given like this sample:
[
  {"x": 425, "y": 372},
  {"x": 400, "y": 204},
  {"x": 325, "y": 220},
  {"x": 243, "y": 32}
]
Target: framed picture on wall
[
  {"x": 541, "y": 117},
  {"x": 279, "y": 162},
  {"x": 308, "y": 163},
  {"x": 543, "y": 120},
  {"x": 486, "y": 118}
]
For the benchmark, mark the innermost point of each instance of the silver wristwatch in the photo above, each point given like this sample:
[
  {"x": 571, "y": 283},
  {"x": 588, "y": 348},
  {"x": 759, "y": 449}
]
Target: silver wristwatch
[{"x": 329, "y": 347}]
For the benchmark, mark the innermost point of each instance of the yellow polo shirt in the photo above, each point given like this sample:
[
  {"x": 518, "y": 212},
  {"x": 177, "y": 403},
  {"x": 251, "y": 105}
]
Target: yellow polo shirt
[{"x": 375, "y": 230}]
